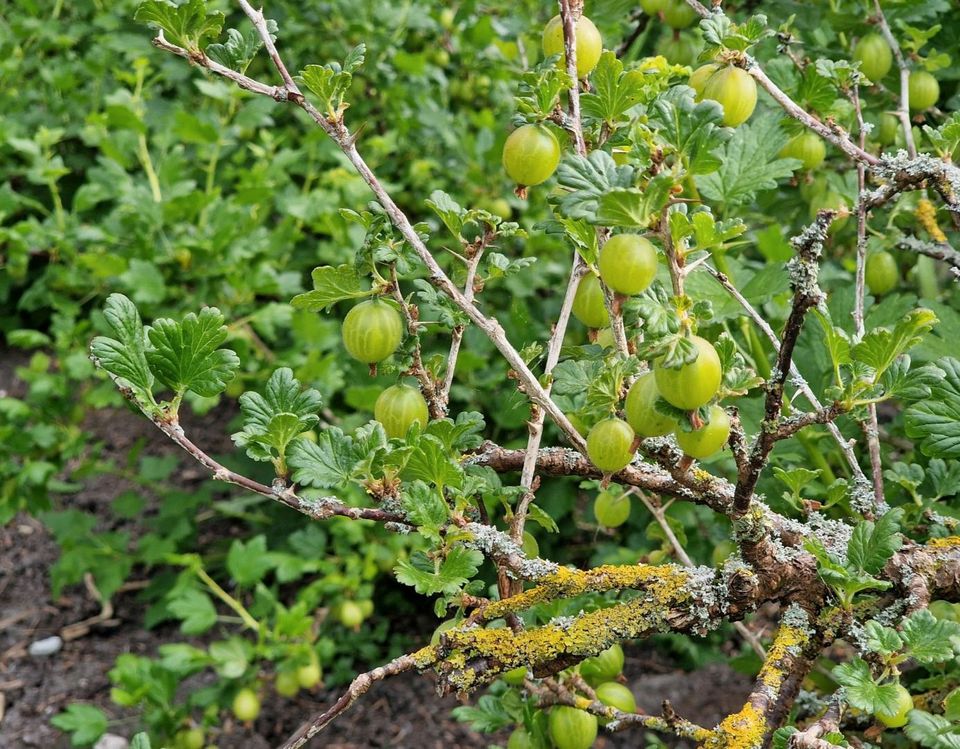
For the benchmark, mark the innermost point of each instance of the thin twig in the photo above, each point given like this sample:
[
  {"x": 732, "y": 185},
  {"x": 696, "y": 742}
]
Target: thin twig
[
  {"x": 570, "y": 11},
  {"x": 338, "y": 132},
  {"x": 869, "y": 425},
  {"x": 428, "y": 385},
  {"x": 903, "y": 111},
  {"x": 320, "y": 508},
  {"x": 456, "y": 337},
  {"x": 804, "y": 270},
  {"x": 535, "y": 425},
  {"x": 795, "y": 376},
  {"x": 835, "y": 134}
]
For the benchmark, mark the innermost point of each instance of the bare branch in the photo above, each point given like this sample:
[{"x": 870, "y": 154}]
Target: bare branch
[
  {"x": 659, "y": 514},
  {"x": 535, "y": 425},
  {"x": 436, "y": 405},
  {"x": 456, "y": 338},
  {"x": 804, "y": 272},
  {"x": 936, "y": 250},
  {"x": 903, "y": 112},
  {"x": 318, "y": 509}
]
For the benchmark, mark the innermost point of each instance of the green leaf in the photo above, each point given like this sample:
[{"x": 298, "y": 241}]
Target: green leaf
[
  {"x": 928, "y": 639},
  {"x": 861, "y": 691},
  {"x": 326, "y": 463},
  {"x": 932, "y": 731},
  {"x": 720, "y": 31},
  {"x": 539, "y": 90},
  {"x": 601, "y": 192},
  {"x": 332, "y": 81},
  {"x": 187, "y": 355},
  {"x": 239, "y": 50},
  {"x": 231, "y": 657},
  {"x": 486, "y": 716},
  {"x": 194, "y": 609},
  {"x": 616, "y": 91},
  {"x": 935, "y": 421},
  {"x": 248, "y": 562},
  {"x": 944, "y": 478},
  {"x": 125, "y": 356},
  {"x": 331, "y": 285},
  {"x": 140, "y": 741},
  {"x": 274, "y": 419},
  {"x": 447, "y": 577},
  {"x": 431, "y": 462},
  {"x": 84, "y": 723},
  {"x": 881, "y": 639},
  {"x": 449, "y": 211},
  {"x": 185, "y": 25},
  {"x": 693, "y": 129},
  {"x": 463, "y": 434},
  {"x": 872, "y": 544},
  {"x": 750, "y": 163},
  {"x": 425, "y": 508},
  {"x": 738, "y": 378},
  {"x": 880, "y": 347}
]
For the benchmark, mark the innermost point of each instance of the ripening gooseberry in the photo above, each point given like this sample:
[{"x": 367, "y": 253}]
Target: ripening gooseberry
[
  {"x": 398, "y": 408},
  {"x": 589, "y": 43},
  {"x": 604, "y": 666},
  {"x": 372, "y": 330},
  {"x": 570, "y": 728},
  {"x": 708, "y": 439},
  {"x": 881, "y": 273},
  {"x": 611, "y": 508},
  {"x": 678, "y": 14},
  {"x": 808, "y": 148},
  {"x": 641, "y": 411},
  {"x": 628, "y": 263},
  {"x": 897, "y": 717},
  {"x": 609, "y": 445},
  {"x": 735, "y": 90},
  {"x": 694, "y": 384},
  {"x": 924, "y": 90},
  {"x": 531, "y": 154},
  {"x": 246, "y": 705},
  {"x": 874, "y": 55},
  {"x": 588, "y": 303}
]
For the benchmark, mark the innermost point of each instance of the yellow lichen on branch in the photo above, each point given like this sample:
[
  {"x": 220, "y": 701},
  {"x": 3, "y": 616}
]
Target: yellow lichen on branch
[
  {"x": 944, "y": 543},
  {"x": 748, "y": 728},
  {"x": 660, "y": 581},
  {"x": 927, "y": 216},
  {"x": 742, "y": 730},
  {"x": 671, "y": 597}
]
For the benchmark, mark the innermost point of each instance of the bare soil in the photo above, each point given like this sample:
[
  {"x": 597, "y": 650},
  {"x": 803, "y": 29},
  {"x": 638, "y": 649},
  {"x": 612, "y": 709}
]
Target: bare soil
[{"x": 401, "y": 712}]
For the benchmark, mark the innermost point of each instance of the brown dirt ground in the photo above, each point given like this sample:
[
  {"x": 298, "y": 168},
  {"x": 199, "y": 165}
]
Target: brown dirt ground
[{"x": 402, "y": 712}]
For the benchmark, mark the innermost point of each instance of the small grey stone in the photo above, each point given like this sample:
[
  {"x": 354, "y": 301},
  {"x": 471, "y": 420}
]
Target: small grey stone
[
  {"x": 46, "y": 646},
  {"x": 111, "y": 741}
]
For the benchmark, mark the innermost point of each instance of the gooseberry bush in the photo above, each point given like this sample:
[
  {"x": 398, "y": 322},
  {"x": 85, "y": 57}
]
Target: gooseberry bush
[{"x": 789, "y": 390}]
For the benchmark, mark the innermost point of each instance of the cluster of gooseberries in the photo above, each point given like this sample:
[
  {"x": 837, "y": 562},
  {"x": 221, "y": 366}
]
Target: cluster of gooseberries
[
  {"x": 611, "y": 442},
  {"x": 290, "y": 681},
  {"x": 570, "y": 727},
  {"x": 372, "y": 331},
  {"x": 628, "y": 265}
]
